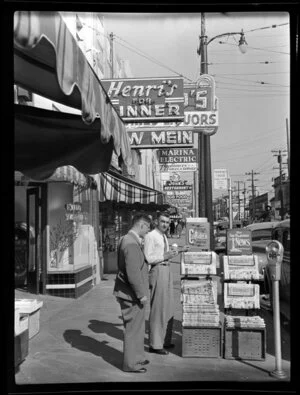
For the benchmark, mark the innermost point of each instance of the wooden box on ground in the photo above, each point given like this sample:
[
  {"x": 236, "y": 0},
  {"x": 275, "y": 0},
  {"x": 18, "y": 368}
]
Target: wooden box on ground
[
  {"x": 21, "y": 346},
  {"x": 245, "y": 343},
  {"x": 202, "y": 342},
  {"x": 30, "y": 308}
]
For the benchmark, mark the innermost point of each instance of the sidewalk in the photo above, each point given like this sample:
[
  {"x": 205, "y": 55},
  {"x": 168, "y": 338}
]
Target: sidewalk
[{"x": 80, "y": 341}]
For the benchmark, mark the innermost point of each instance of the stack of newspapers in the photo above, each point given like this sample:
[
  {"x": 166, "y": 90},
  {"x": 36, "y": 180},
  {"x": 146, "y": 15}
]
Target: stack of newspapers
[
  {"x": 241, "y": 267},
  {"x": 199, "y": 263},
  {"x": 241, "y": 296},
  {"x": 199, "y": 303},
  {"x": 232, "y": 322}
]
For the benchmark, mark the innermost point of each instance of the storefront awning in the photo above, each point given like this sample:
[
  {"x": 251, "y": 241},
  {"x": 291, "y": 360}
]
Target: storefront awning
[
  {"x": 119, "y": 189},
  {"x": 61, "y": 174},
  {"x": 45, "y": 140},
  {"x": 48, "y": 61}
]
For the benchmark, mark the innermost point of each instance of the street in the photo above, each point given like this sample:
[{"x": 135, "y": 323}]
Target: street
[{"x": 80, "y": 341}]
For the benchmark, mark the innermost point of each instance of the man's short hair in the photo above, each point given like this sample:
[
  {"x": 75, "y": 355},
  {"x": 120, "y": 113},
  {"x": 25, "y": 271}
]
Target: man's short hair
[
  {"x": 163, "y": 214},
  {"x": 140, "y": 217}
]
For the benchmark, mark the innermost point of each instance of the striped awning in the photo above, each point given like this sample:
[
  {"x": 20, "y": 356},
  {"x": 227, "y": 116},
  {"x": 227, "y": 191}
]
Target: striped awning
[
  {"x": 61, "y": 174},
  {"x": 114, "y": 188},
  {"x": 70, "y": 174},
  {"x": 49, "y": 62}
]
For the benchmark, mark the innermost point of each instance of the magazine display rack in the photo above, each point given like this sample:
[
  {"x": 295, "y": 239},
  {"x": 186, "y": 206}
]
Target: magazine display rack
[
  {"x": 201, "y": 328},
  {"x": 244, "y": 330}
]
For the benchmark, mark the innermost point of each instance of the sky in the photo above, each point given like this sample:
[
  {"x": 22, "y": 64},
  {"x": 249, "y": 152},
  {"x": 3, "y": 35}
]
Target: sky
[{"x": 254, "y": 101}]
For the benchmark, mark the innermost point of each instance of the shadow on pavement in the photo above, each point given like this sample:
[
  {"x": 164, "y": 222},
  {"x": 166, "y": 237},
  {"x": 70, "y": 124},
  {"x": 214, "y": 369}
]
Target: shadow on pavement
[
  {"x": 88, "y": 344},
  {"x": 253, "y": 365},
  {"x": 110, "y": 329}
]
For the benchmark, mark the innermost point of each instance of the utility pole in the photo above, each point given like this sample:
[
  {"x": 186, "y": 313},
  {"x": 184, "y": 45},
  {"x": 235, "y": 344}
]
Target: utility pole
[
  {"x": 201, "y": 143},
  {"x": 288, "y": 146},
  {"x": 253, "y": 191},
  {"x": 205, "y": 175},
  {"x": 111, "y": 38},
  {"x": 244, "y": 192},
  {"x": 239, "y": 203},
  {"x": 230, "y": 203},
  {"x": 279, "y": 160}
]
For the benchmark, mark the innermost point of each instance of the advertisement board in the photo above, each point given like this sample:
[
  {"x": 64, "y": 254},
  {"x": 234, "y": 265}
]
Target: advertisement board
[
  {"x": 220, "y": 179},
  {"x": 161, "y": 139},
  {"x": 146, "y": 99},
  {"x": 200, "y": 110},
  {"x": 197, "y": 234},
  {"x": 239, "y": 242},
  {"x": 177, "y": 186},
  {"x": 177, "y": 159}
]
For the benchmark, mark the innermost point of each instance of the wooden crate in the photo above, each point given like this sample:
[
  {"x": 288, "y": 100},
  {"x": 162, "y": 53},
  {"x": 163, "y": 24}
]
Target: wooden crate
[
  {"x": 245, "y": 343},
  {"x": 202, "y": 342}
]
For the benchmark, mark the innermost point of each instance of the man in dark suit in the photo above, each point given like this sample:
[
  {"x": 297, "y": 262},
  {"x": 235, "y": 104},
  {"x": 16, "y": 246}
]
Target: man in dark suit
[{"x": 132, "y": 292}]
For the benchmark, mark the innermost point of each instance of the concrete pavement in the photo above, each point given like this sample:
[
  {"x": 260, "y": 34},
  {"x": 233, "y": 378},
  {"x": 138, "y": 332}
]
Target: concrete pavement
[{"x": 80, "y": 341}]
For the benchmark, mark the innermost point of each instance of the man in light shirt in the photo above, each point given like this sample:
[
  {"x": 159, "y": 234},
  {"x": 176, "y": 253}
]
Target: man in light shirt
[{"x": 158, "y": 254}]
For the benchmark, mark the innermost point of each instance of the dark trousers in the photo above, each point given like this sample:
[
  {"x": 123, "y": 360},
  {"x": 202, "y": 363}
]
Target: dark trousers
[{"x": 134, "y": 315}]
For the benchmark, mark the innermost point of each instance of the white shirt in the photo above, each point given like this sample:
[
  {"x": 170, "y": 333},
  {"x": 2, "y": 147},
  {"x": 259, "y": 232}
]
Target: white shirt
[{"x": 154, "y": 246}]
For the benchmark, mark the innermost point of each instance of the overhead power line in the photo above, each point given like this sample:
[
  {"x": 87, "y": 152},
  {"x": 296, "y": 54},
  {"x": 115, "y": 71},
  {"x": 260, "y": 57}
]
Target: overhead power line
[
  {"x": 137, "y": 51},
  {"x": 275, "y": 72},
  {"x": 237, "y": 63},
  {"x": 258, "y": 49},
  {"x": 266, "y": 27},
  {"x": 143, "y": 54},
  {"x": 254, "y": 82}
]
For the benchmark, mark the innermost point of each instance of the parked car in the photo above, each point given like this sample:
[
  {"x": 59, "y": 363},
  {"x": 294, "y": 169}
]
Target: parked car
[
  {"x": 261, "y": 234},
  {"x": 281, "y": 232},
  {"x": 220, "y": 241},
  {"x": 220, "y": 235}
]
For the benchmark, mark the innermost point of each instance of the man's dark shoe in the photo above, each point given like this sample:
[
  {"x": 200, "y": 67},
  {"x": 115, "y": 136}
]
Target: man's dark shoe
[
  {"x": 144, "y": 362},
  {"x": 141, "y": 370},
  {"x": 171, "y": 345},
  {"x": 160, "y": 351}
]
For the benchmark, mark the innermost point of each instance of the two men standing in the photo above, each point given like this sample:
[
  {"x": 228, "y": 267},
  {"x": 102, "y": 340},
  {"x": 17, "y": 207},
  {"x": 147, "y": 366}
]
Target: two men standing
[{"x": 132, "y": 290}]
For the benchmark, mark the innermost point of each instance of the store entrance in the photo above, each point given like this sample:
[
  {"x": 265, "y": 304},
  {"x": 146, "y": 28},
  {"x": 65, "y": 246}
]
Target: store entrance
[{"x": 33, "y": 239}]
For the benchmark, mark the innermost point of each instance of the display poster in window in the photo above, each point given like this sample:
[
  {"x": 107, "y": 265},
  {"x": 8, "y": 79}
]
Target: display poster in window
[{"x": 239, "y": 242}]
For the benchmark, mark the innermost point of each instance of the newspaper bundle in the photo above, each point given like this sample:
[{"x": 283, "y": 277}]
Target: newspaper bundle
[
  {"x": 232, "y": 322},
  {"x": 241, "y": 296},
  {"x": 199, "y": 263},
  {"x": 199, "y": 303},
  {"x": 240, "y": 267}
]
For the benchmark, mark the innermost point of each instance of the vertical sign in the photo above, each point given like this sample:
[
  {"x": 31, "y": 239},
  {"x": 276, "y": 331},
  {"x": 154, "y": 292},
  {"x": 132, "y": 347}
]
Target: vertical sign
[{"x": 220, "y": 179}]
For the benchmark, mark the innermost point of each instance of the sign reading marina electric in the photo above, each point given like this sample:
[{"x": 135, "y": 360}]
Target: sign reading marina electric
[
  {"x": 147, "y": 99},
  {"x": 171, "y": 160}
]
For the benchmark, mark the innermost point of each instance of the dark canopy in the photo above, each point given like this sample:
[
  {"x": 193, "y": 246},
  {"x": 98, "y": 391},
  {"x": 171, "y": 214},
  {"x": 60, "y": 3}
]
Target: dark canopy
[{"x": 45, "y": 140}]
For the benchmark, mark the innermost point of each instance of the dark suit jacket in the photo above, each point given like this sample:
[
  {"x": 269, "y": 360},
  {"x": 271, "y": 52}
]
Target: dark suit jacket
[{"x": 132, "y": 281}]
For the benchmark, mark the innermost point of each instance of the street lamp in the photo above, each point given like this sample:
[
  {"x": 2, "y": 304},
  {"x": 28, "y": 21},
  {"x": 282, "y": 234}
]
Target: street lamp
[{"x": 205, "y": 174}]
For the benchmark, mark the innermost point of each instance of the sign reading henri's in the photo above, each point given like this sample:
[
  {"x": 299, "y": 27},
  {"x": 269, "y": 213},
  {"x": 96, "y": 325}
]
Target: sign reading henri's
[
  {"x": 146, "y": 100},
  {"x": 177, "y": 159}
]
